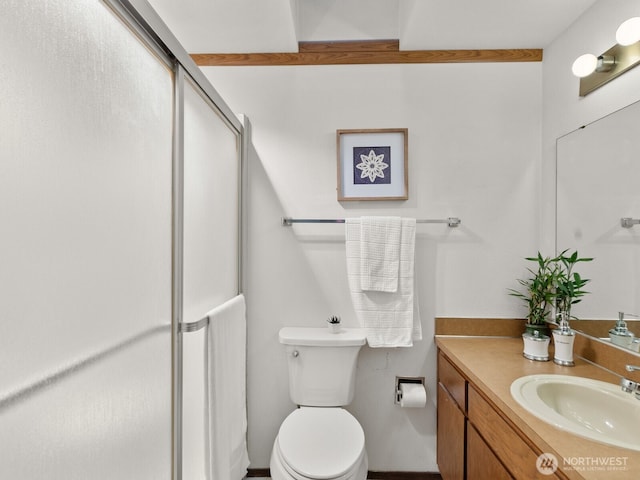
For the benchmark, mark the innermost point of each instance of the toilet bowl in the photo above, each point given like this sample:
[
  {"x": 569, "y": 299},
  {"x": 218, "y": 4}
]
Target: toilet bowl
[{"x": 319, "y": 443}]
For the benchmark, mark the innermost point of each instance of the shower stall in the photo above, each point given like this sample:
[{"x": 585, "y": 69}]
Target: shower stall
[{"x": 120, "y": 186}]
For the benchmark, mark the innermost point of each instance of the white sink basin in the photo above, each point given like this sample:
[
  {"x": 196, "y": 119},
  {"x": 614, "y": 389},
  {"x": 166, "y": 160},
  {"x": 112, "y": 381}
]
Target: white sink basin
[{"x": 588, "y": 408}]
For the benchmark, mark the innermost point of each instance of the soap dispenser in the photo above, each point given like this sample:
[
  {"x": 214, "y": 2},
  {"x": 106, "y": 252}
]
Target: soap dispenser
[
  {"x": 620, "y": 335},
  {"x": 563, "y": 338}
]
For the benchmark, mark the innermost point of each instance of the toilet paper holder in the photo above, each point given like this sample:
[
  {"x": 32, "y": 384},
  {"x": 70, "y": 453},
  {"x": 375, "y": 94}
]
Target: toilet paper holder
[{"x": 401, "y": 380}]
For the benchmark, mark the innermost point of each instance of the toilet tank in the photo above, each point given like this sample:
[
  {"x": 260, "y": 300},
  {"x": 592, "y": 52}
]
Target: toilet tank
[{"x": 322, "y": 365}]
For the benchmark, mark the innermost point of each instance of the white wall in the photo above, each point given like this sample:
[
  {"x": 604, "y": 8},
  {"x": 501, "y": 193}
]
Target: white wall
[{"x": 474, "y": 151}]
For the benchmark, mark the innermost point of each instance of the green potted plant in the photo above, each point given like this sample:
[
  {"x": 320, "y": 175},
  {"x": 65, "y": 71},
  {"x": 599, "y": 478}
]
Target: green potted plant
[
  {"x": 568, "y": 292},
  {"x": 569, "y": 288},
  {"x": 538, "y": 293},
  {"x": 333, "y": 323}
]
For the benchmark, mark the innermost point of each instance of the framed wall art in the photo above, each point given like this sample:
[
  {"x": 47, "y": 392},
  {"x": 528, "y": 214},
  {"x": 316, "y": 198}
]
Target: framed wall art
[{"x": 373, "y": 164}]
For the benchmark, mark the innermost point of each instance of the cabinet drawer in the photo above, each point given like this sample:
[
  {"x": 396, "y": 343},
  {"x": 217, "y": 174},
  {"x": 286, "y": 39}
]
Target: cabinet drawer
[
  {"x": 451, "y": 379},
  {"x": 509, "y": 447}
]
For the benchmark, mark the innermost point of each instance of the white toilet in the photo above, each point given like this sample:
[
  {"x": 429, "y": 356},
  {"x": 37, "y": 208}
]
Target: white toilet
[{"x": 320, "y": 440}]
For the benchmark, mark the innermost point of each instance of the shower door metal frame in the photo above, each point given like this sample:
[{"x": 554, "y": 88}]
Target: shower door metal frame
[{"x": 142, "y": 20}]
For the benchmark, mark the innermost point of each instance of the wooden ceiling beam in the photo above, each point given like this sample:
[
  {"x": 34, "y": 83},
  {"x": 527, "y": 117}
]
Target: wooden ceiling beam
[
  {"x": 367, "y": 52},
  {"x": 350, "y": 46}
]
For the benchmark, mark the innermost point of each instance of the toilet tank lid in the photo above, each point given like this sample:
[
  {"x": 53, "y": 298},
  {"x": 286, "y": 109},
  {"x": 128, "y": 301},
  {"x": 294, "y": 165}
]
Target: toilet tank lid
[{"x": 315, "y": 336}]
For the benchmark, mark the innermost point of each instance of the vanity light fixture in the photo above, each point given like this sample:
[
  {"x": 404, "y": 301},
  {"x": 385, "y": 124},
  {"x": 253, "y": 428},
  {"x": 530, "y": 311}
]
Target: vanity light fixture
[
  {"x": 595, "y": 71},
  {"x": 628, "y": 32},
  {"x": 588, "y": 63},
  {"x": 584, "y": 65}
]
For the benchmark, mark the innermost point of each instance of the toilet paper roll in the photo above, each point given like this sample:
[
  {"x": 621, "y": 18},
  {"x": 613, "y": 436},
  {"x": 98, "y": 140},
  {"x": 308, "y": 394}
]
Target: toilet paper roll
[{"x": 414, "y": 395}]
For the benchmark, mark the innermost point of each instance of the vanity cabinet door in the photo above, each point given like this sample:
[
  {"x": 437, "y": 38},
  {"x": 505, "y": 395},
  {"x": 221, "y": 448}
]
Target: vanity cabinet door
[
  {"x": 451, "y": 437},
  {"x": 517, "y": 456},
  {"x": 481, "y": 461}
]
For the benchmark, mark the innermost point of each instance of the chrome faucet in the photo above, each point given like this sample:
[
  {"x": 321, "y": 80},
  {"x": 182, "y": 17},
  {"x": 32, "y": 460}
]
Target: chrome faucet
[{"x": 630, "y": 386}]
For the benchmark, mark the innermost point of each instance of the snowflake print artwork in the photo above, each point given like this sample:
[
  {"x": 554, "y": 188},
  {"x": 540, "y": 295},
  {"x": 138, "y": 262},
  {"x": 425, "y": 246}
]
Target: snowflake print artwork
[{"x": 371, "y": 165}]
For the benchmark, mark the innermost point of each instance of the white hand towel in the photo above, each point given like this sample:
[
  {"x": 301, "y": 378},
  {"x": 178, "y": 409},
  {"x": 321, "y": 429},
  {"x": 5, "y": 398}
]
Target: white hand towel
[
  {"x": 227, "y": 394},
  {"x": 391, "y": 319},
  {"x": 379, "y": 253}
]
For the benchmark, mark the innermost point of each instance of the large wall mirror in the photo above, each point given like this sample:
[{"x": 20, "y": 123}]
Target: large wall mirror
[{"x": 598, "y": 184}]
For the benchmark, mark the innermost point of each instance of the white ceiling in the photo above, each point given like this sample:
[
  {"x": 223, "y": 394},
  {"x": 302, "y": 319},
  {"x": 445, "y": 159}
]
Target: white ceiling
[{"x": 246, "y": 26}]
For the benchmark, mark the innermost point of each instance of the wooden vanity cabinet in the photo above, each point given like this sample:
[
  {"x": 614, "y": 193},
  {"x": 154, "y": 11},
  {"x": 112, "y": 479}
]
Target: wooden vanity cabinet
[{"x": 475, "y": 442}]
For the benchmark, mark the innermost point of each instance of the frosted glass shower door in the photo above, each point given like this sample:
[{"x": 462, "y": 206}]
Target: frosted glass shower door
[
  {"x": 85, "y": 248},
  {"x": 211, "y": 206},
  {"x": 211, "y": 250}
]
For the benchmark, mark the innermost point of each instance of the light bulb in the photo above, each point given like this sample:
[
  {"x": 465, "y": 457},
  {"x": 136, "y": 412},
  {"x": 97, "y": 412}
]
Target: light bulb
[
  {"x": 584, "y": 65},
  {"x": 628, "y": 32}
]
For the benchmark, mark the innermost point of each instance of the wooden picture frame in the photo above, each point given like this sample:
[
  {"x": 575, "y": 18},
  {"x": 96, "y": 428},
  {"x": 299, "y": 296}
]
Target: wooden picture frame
[{"x": 373, "y": 164}]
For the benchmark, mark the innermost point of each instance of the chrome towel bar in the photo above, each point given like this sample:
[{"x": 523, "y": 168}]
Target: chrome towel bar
[
  {"x": 37, "y": 385},
  {"x": 627, "y": 222},
  {"x": 193, "y": 326},
  {"x": 288, "y": 221}
]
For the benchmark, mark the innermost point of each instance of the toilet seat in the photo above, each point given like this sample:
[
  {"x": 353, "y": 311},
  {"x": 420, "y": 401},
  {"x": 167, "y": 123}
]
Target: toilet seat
[{"x": 320, "y": 443}]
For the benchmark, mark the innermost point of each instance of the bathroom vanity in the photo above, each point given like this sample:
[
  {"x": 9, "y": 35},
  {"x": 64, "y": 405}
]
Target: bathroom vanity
[{"x": 484, "y": 433}]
